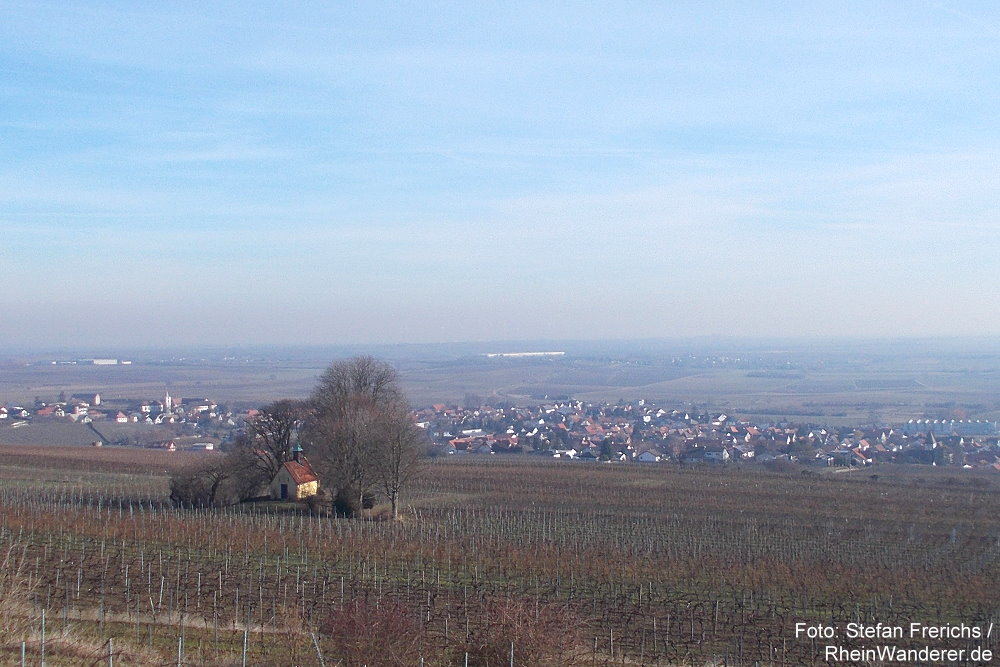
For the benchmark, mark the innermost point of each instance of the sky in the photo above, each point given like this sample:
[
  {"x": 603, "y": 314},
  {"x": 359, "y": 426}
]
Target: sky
[{"x": 180, "y": 173}]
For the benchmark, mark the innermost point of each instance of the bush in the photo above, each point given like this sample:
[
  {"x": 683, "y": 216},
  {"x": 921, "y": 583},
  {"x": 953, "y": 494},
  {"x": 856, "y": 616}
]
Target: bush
[
  {"x": 345, "y": 503},
  {"x": 219, "y": 481},
  {"x": 541, "y": 634},
  {"x": 207, "y": 485},
  {"x": 318, "y": 504},
  {"x": 367, "y": 632}
]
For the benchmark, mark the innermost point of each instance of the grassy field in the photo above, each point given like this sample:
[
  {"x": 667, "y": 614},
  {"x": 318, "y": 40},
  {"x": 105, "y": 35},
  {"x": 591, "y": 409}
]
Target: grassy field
[{"x": 569, "y": 563}]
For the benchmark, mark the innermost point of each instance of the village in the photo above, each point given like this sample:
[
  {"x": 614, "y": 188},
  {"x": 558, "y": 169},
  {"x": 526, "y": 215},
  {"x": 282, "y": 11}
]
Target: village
[
  {"x": 85, "y": 408},
  {"x": 626, "y": 432},
  {"x": 88, "y": 418},
  {"x": 644, "y": 432}
]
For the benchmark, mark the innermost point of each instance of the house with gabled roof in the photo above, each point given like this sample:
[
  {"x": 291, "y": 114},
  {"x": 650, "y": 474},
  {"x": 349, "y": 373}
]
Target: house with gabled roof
[
  {"x": 717, "y": 454},
  {"x": 650, "y": 456},
  {"x": 295, "y": 480}
]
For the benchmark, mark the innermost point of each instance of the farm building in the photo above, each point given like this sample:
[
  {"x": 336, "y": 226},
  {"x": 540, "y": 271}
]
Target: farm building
[{"x": 296, "y": 479}]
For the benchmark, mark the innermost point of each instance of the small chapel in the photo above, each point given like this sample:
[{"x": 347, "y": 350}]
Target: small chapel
[{"x": 296, "y": 480}]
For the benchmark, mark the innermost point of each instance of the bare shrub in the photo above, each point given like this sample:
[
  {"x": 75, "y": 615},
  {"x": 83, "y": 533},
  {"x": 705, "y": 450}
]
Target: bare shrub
[
  {"x": 541, "y": 634},
  {"x": 318, "y": 504},
  {"x": 367, "y": 632},
  {"x": 349, "y": 503},
  {"x": 207, "y": 484},
  {"x": 218, "y": 481}
]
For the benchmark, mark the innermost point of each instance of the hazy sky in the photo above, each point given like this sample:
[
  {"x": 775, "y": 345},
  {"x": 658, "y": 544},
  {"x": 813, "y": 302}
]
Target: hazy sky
[{"x": 278, "y": 172}]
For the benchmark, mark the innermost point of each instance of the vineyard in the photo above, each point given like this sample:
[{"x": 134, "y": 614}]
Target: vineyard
[{"x": 495, "y": 562}]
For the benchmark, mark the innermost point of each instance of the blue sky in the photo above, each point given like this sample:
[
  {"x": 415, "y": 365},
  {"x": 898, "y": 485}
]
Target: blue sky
[{"x": 213, "y": 172}]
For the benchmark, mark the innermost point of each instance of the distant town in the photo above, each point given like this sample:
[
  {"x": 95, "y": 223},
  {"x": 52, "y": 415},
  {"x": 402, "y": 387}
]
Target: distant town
[
  {"x": 648, "y": 433},
  {"x": 627, "y": 432}
]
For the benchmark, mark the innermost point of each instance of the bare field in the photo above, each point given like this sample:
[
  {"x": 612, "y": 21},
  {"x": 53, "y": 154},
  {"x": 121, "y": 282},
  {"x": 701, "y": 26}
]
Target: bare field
[
  {"x": 127, "y": 460},
  {"x": 893, "y": 381},
  {"x": 230, "y": 382}
]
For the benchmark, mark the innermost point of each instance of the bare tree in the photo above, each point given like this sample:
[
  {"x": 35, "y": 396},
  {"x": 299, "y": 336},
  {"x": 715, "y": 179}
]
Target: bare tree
[
  {"x": 360, "y": 380},
  {"x": 342, "y": 445},
  {"x": 400, "y": 455},
  {"x": 270, "y": 436},
  {"x": 207, "y": 484},
  {"x": 359, "y": 434}
]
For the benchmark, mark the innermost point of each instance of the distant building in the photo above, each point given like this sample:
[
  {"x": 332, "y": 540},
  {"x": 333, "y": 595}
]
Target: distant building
[
  {"x": 650, "y": 456},
  {"x": 89, "y": 399}
]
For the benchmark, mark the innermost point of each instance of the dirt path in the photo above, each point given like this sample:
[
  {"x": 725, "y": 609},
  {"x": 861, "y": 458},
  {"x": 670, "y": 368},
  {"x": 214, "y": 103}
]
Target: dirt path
[{"x": 169, "y": 619}]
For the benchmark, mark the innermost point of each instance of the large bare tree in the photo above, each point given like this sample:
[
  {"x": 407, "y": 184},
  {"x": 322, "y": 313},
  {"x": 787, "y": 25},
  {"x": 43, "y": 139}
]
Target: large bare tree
[
  {"x": 358, "y": 381},
  {"x": 341, "y": 449},
  {"x": 359, "y": 422}
]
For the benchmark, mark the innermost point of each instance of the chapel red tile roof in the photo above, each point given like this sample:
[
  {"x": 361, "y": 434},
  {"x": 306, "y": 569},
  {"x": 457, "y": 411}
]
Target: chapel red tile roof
[{"x": 301, "y": 472}]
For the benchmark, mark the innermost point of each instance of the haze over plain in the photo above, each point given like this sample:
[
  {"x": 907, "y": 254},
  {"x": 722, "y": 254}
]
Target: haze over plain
[{"x": 240, "y": 173}]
